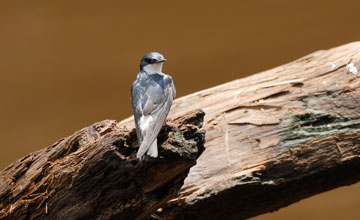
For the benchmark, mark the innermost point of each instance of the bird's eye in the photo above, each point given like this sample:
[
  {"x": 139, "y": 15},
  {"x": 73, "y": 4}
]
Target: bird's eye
[{"x": 148, "y": 60}]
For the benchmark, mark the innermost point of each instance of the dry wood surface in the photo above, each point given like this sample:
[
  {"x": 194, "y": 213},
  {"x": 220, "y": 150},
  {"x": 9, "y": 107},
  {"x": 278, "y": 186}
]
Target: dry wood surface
[
  {"x": 274, "y": 138},
  {"x": 94, "y": 173}
]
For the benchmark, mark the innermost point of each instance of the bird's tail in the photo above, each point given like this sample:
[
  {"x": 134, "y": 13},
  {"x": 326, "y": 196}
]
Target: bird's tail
[
  {"x": 153, "y": 150},
  {"x": 151, "y": 128}
]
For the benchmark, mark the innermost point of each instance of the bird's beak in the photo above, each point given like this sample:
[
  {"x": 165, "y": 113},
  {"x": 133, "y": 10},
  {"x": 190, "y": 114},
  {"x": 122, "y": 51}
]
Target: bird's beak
[{"x": 161, "y": 60}]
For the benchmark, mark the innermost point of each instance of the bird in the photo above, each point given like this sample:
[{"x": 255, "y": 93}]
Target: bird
[{"x": 152, "y": 94}]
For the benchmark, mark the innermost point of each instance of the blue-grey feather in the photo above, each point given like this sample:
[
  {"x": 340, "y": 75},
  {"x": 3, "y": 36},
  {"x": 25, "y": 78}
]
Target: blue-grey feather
[{"x": 151, "y": 95}]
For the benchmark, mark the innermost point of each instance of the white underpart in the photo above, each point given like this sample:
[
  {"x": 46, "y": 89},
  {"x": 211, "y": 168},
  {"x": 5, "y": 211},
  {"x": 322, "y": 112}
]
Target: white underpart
[
  {"x": 145, "y": 122},
  {"x": 153, "y": 68},
  {"x": 144, "y": 127},
  {"x": 153, "y": 150}
]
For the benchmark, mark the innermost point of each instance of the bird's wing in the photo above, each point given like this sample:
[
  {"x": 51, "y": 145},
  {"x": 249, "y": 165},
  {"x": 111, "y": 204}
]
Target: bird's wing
[
  {"x": 170, "y": 83},
  {"x": 154, "y": 126},
  {"x": 136, "y": 100},
  {"x": 147, "y": 98},
  {"x": 156, "y": 111}
]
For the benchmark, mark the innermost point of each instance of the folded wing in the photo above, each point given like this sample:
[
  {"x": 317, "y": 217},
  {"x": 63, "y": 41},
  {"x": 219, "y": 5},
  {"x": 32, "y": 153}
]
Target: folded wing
[{"x": 151, "y": 105}]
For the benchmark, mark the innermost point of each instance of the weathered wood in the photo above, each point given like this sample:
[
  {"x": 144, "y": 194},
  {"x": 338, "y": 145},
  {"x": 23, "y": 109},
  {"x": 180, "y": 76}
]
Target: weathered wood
[
  {"x": 274, "y": 138},
  {"x": 94, "y": 174}
]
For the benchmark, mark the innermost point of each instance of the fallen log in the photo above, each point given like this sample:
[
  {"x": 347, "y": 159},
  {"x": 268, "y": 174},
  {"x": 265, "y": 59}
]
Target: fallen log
[
  {"x": 94, "y": 173},
  {"x": 274, "y": 138}
]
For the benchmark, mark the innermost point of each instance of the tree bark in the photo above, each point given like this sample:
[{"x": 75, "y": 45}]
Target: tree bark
[
  {"x": 94, "y": 173},
  {"x": 274, "y": 138}
]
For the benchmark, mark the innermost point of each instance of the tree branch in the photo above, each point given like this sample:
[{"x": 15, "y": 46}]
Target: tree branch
[
  {"x": 94, "y": 173},
  {"x": 274, "y": 138}
]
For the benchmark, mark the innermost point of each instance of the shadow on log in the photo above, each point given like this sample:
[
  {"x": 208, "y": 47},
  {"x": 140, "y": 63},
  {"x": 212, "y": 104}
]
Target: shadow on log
[
  {"x": 94, "y": 173},
  {"x": 274, "y": 138}
]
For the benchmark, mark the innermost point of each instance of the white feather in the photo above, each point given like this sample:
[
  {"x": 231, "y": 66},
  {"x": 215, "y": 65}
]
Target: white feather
[
  {"x": 154, "y": 68},
  {"x": 145, "y": 122},
  {"x": 153, "y": 150}
]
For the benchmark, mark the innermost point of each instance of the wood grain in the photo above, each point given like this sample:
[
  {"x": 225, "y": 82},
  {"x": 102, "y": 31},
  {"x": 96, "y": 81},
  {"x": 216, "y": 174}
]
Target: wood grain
[
  {"x": 94, "y": 173},
  {"x": 274, "y": 138}
]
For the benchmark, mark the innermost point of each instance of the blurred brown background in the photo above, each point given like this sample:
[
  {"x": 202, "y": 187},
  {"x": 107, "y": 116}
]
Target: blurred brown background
[{"x": 67, "y": 64}]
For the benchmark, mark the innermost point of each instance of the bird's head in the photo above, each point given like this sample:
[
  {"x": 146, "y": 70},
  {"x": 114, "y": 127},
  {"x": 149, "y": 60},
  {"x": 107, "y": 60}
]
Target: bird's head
[{"x": 152, "y": 62}]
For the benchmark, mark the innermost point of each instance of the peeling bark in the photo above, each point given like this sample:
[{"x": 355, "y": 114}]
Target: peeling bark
[
  {"x": 94, "y": 173},
  {"x": 274, "y": 138}
]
